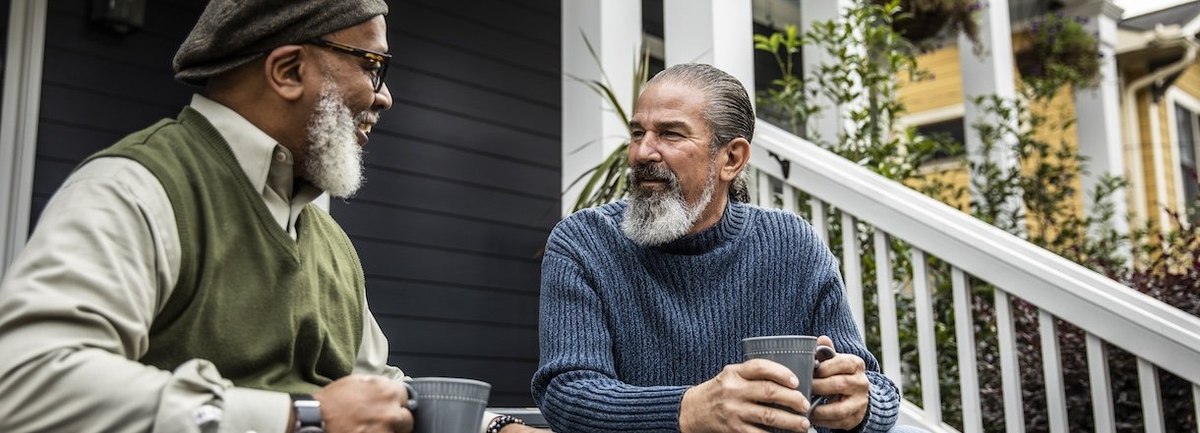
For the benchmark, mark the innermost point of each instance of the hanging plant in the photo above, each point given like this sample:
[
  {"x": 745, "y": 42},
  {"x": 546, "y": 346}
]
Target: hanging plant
[
  {"x": 920, "y": 21},
  {"x": 1060, "y": 53}
]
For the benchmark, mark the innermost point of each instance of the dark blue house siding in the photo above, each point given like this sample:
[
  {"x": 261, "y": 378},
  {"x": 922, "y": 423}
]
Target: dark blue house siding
[
  {"x": 462, "y": 174},
  {"x": 463, "y": 188},
  {"x": 98, "y": 87}
]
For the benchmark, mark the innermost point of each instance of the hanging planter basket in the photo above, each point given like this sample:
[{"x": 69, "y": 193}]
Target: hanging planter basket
[
  {"x": 1060, "y": 53},
  {"x": 920, "y": 21}
]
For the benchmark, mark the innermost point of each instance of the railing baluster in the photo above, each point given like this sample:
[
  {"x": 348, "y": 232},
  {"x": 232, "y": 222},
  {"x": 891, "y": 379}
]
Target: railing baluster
[
  {"x": 1151, "y": 397},
  {"x": 1196, "y": 404},
  {"x": 1056, "y": 397},
  {"x": 818, "y": 219},
  {"x": 789, "y": 198},
  {"x": 968, "y": 371},
  {"x": 931, "y": 400},
  {"x": 889, "y": 331},
  {"x": 1016, "y": 270},
  {"x": 1014, "y": 410},
  {"x": 852, "y": 270},
  {"x": 1102, "y": 408},
  {"x": 764, "y": 190}
]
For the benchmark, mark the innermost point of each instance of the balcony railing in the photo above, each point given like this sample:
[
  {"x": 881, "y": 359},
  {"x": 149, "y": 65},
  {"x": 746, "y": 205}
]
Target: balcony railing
[{"x": 1160, "y": 336}]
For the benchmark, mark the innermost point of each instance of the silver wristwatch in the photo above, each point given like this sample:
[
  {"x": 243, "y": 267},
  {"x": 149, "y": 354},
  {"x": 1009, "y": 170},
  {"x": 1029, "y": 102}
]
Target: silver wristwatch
[{"x": 308, "y": 414}]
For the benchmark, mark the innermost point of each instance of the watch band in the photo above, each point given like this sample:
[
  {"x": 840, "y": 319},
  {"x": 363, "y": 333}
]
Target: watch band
[
  {"x": 501, "y": 421},
  {"x": 308, "y": 414}
]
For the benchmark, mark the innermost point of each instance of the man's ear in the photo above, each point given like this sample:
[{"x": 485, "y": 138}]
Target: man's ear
[
  {"x": 284, "y": 71},
  {"x": 737, "y": 155}
]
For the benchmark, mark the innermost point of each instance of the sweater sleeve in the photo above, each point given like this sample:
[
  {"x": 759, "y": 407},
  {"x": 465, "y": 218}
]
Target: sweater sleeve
[
  {"x": 835, "y": 320},
  {"x": 576, "y": 385}
]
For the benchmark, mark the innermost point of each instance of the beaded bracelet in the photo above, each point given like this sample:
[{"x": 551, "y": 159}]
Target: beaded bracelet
[{"x": 502, "y": 421}]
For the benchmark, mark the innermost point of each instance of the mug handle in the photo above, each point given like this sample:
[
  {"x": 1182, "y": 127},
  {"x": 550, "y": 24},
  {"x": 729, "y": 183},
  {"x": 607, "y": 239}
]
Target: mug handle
[
  {"x": 822, "y": 353},
  {"x": 412, "y": 395}
]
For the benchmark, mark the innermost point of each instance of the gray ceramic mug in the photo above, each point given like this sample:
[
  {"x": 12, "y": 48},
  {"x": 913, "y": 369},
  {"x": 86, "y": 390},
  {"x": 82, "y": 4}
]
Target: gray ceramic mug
[
  {"x": 799, "y": 353},
  {"x": 448, "y": 404}
]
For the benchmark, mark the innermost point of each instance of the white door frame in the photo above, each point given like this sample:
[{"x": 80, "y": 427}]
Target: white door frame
[{"x": 19, "y": 114}]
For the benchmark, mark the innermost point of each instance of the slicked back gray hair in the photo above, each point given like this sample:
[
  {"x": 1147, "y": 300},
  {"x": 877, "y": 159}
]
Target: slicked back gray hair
[{"x": 727, "y": 109}]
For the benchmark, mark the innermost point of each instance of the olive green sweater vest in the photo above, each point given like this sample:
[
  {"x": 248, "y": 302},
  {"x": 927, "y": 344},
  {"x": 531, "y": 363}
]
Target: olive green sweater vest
[{"x": 271, "y": 312}]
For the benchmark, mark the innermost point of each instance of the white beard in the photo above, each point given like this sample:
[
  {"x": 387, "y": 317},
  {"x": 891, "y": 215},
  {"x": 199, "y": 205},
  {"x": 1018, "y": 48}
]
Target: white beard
[
  {"x": 334, "y": 161},
  {"x": 655, "y": 218}
]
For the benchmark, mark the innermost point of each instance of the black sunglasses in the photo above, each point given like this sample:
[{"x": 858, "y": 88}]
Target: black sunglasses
[{"x": 380, "y": 59}]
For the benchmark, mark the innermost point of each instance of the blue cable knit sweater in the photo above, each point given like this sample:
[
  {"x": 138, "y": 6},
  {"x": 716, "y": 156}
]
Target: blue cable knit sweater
[{"x": 625, "y": 330}]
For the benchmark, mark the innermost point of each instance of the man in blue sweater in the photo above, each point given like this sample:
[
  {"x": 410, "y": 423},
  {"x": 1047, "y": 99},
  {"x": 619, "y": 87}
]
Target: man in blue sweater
[{"x": 644, "y": 301}]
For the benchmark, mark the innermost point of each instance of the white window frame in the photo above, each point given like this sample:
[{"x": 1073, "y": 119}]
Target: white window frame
[
  {"x": 940, "y": 114},
  {"x": 937, "y": 115},
  {"x": 1190, "y": 103}
]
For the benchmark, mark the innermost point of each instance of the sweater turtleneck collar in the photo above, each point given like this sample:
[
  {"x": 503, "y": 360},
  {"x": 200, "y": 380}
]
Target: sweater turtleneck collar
[{"x": 727, "y": 228}]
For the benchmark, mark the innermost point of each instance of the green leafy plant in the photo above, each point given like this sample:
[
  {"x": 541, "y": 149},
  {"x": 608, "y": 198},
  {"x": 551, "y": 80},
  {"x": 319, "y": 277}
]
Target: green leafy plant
[
  {"x": 864, "y": 52},
  {"x": 1061, "y": 53},
  {"x": 608, "y": 181},
  {"x": 789, "y": 100},
  {"x": 867, "y": 56}
]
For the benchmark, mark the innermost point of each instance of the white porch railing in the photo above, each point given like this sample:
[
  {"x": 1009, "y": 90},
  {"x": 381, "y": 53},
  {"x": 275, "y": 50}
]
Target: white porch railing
[{"x": 1160, "y": 336}]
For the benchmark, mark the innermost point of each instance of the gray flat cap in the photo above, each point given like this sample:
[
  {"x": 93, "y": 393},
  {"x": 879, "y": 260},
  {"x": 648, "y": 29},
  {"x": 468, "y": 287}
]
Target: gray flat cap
[{"x": 231, "y": 33}]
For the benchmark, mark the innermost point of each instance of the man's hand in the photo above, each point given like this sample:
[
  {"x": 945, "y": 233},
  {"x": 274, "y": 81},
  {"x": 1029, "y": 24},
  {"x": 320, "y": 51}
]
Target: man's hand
[
  {"x": 734, "y": 400},
  {"x": 367, "y": 404},
  {"x": 842, "y": 380}
]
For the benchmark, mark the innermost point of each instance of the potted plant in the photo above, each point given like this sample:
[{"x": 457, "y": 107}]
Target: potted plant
[
  {"x": 608, "y": 180},
  {"x": 1060, "y": 52},
  {"x": 920, "y": 21}
]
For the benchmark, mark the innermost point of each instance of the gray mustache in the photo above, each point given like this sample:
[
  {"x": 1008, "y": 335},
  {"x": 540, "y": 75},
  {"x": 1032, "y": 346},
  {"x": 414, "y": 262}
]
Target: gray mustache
[{"x": 651, "y": 172}]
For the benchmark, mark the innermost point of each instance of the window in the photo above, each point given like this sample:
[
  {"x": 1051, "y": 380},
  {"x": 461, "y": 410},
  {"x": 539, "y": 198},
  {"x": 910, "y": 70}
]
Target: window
[
  {"x": 951, "y": 133},
  {"x": 1187, "y": 127}
]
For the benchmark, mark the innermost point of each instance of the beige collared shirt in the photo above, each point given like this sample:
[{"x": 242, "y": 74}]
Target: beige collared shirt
[{"x": 77, "y": 304}]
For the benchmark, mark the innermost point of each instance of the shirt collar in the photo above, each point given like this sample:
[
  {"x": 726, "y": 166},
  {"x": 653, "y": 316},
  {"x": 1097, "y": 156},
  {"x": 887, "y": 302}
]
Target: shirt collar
[
  {"x": 267, "y": 164},
  {"x": 252, "y": 147}
]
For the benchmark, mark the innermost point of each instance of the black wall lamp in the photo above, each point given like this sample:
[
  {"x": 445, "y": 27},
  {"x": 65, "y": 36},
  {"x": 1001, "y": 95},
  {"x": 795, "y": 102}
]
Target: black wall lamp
[{"x": 120, "y": 16}]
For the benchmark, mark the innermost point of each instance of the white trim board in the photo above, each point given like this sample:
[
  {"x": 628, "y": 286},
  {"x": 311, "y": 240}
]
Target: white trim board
[
  {"x": 19, "y": 122},
  {"x": 1191, "y": 103},
  {"x": 935, "y": 115}
]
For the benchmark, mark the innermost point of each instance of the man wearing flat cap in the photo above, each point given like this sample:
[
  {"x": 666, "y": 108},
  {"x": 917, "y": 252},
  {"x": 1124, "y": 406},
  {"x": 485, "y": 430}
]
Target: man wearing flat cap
[{"x": 182, "y": 281}]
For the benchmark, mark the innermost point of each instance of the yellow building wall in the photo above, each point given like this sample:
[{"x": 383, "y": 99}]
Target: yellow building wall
[
  {"x": 1146, "y": 140},
  {"x": 1189, "y": 81},
  {"x": 1061, "y": 133},
  {"x": 1166, "y": 142},
  {"x": 941, "y": 88}
]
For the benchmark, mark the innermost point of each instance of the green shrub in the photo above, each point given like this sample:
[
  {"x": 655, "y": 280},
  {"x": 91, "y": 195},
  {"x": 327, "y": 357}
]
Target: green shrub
[{"x": 867, "y": 55}]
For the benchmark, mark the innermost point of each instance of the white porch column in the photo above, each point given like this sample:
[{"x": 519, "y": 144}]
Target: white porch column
[
  {"x": 1098, "y": 110},
  {"x": 831, "y": 120},
  {"x": 19, "y": 122},
  {"x": 591, "y": 129},
  {"x": 717, "y": 32},
  {"x": 991, "y": 73}
]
